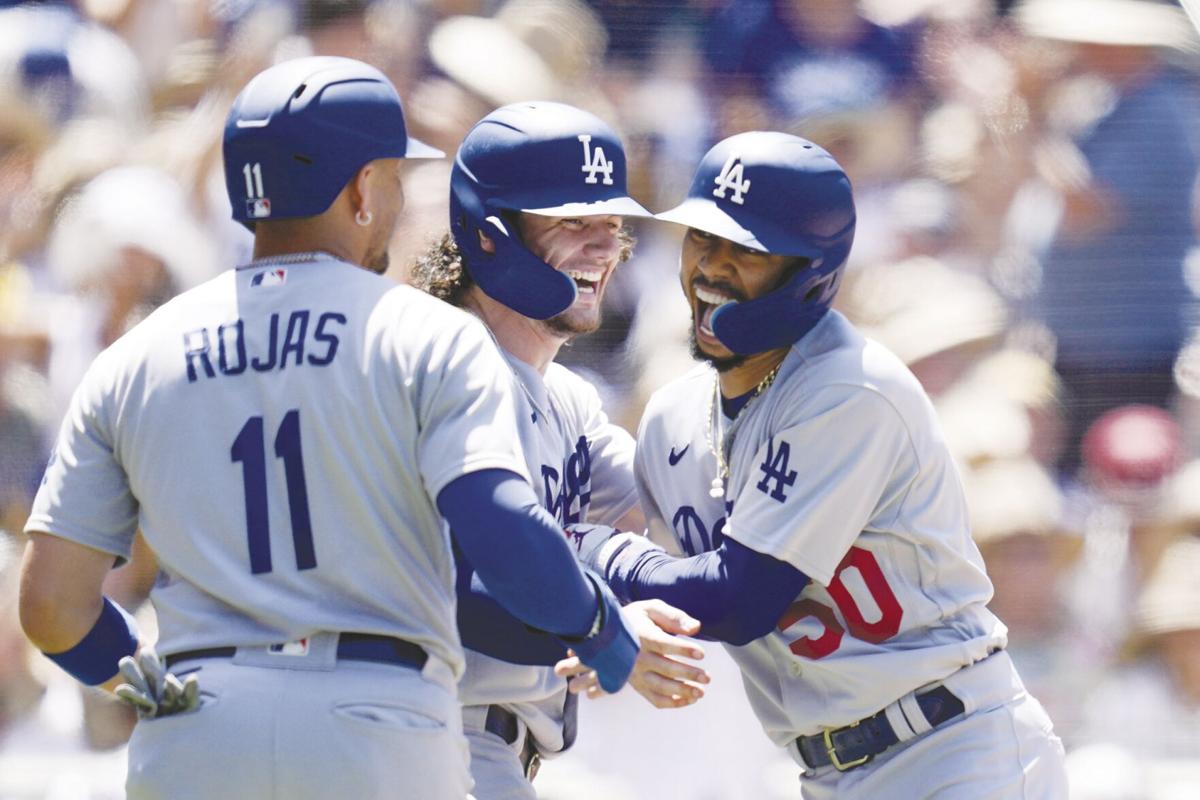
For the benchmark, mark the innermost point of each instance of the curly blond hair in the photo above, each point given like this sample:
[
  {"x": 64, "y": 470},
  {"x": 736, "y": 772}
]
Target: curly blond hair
[{"x": 442, "y": 272}]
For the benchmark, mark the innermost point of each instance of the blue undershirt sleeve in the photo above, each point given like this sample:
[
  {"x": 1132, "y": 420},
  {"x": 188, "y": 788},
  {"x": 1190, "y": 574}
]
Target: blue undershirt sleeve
[
  {"x": 487, "y": 628},
  {"x": 518, "y": 551},
  {"x": 738, "y": 594}
]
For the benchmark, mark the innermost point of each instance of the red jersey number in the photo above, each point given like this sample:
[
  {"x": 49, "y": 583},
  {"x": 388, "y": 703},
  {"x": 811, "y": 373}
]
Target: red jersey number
[{"x": 887, "y": 626}]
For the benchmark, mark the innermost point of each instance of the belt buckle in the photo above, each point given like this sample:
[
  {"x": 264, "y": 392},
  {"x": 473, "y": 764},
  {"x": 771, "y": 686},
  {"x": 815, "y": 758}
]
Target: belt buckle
[
  {"x": 831, "y": 750},
  {"x": 531, "y": 759}
]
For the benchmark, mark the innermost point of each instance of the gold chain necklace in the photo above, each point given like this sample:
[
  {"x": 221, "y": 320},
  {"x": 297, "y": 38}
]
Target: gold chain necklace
[{"x": 716, "y": 440}]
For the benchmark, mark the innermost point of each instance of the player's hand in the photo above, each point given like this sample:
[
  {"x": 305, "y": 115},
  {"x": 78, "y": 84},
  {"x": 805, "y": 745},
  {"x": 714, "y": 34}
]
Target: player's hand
[
  {"x": 659, "y": 677},
  {"x": 612, "y": 650},
  {"x": 152, "y": 690}
]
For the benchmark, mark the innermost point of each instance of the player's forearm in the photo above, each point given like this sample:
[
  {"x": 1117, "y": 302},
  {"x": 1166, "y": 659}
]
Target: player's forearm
[
  {"x": 738, "y": 594},
  {"x": 486, "y": 627},
  {"x": 60, "y": 597},
  {"x": 518, "y": 551}
]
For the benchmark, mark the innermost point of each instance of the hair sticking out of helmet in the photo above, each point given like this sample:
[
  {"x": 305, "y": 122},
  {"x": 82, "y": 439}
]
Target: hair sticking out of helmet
[
  {"x": 783, "y": 195},
  {"x": 540, "y": 158},
  {"x": 301, "y": 129}
]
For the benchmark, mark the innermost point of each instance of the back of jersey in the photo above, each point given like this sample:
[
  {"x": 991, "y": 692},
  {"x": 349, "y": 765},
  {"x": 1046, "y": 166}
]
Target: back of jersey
[{"x": 283, "y": 430}]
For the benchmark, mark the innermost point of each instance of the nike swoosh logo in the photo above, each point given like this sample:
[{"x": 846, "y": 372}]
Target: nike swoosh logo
[{"x": 674, "y": 457}]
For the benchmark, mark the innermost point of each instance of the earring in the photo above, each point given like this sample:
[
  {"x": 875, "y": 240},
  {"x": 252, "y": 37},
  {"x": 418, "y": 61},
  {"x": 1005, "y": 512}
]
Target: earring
[{"x": 363, "y": 217}]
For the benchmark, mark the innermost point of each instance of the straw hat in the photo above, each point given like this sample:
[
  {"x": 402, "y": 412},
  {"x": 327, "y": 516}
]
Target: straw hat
[
  {"x": 1170, "y": 600},
  {"x": 920, "y": 307},
  {"x": 530, "y": 50},
  {"x": 1141, "y": 23},
  {"x": 1012, "y": 496}
]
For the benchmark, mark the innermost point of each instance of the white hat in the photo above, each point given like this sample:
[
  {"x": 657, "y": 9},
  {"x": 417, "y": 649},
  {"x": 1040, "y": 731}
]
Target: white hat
[
  {"x": 920, "y": 307},
  {"x": 1144, "y": 23},
  {"x": 1171, "y": 599},
  {"x": 530, "y": 50},
  {"x": 1009, "y": 496}
]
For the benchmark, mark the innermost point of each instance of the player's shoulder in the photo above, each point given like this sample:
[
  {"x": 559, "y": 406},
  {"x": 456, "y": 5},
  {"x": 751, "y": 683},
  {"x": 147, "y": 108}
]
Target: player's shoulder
[
  {"x": 670, "y": 411},
  {"x": 835, "y": 353},
  {"x": 570, "y": 388}
]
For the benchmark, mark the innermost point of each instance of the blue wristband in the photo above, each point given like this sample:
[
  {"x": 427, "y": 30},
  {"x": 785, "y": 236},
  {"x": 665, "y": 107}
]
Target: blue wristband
[{"x": 95, "y": 659}]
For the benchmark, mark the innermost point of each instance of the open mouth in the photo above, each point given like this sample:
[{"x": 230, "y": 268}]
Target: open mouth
[
  {"x": 586, "y": 281},
  {"x": 707, "y": 301}
]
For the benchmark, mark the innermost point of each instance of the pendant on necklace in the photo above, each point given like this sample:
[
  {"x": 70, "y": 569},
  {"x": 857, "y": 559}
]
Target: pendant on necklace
[{"x": 718, "y": 489}]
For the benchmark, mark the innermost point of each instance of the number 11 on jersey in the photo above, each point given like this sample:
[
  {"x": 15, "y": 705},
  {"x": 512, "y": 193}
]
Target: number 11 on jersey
[{"x": 249, "y": 449}]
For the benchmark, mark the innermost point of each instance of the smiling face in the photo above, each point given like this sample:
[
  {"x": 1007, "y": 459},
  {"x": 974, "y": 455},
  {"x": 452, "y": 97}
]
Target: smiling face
[
  {"x": 715, "y": 271},
  {"x": 585, "y": 248}
]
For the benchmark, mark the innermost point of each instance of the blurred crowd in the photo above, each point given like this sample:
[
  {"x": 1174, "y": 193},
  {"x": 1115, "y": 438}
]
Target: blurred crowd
[{"x": 1025, "y": 174}]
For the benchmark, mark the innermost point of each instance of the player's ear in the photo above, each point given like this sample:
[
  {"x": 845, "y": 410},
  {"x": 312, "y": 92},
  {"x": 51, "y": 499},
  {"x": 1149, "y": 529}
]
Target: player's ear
[
  {"x": 485, "y": 243},
  {"x": 359, "y": 191}
]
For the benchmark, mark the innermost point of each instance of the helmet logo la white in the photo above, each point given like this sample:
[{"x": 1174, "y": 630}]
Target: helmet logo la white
[
  {"x": 595, "y": 161},
  {"x": 733, "y": 179}
]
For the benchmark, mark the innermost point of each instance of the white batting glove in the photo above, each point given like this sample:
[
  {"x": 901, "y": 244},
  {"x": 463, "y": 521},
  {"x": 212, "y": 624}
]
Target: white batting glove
[{"x": 152, "y": 690}]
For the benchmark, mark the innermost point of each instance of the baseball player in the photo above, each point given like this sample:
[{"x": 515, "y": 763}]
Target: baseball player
[
  {"x": 804, "y": 478},
  {"x": 285, "y": 437},
  {"x": 537, "y": 204}
]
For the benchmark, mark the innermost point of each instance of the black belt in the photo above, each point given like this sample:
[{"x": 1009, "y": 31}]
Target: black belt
[
  {"x": 858, "y": 743},
  {"x": 350, "y": 647},
  {"x": 504, "y": 723}
]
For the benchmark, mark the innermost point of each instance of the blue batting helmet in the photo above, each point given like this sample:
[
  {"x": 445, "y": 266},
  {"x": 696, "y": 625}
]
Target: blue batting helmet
[
  {"x": 779, "y": 194},
  {"x": 542, "y": 158},
  {"x": 300, "y": 130}
]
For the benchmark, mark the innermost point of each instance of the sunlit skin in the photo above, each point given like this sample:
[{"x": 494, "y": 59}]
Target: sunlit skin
[
  {"x": 387, "y": 192},
  {"x": 712, "y": 270},
  {"x": 374, "y": 193},
  {"x": 586, "y": 248}
]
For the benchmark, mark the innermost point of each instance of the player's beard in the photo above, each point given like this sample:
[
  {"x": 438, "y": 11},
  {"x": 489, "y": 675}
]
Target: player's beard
[
  {"x": 719, "y": 363},
  {"x": 571, "y": 325},
  {"x": 380, "y": 264}
]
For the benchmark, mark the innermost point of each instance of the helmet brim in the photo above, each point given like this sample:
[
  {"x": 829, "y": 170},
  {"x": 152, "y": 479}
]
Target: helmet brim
[
  {"x": 415, "y": 148},
  {"x": 707, "y": 216},
  {"x": 621, "y": 206}
]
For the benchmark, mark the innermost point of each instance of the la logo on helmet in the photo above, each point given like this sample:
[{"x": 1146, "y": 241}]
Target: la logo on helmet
[
  {"x": 595, "y": 161},
  {"x": 733, "y": 179}
]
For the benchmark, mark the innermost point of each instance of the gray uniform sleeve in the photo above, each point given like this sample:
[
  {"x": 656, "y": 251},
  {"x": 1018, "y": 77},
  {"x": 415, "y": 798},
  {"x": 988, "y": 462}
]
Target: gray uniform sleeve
[
  {"x": 611, "y": 452},
  {"x": 85, "y": 495},
  {"x": 467, "y": 416}
]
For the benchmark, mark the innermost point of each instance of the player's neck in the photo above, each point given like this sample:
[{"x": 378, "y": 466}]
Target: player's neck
[
  {"x": 283, "y": 237},
  {"x": 745, "y": 377},
  {"x": 527, "y": 339}
]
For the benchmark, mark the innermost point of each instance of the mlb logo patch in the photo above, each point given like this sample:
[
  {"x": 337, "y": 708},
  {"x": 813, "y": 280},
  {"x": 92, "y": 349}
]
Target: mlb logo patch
[
  {"x": 258, "y": 208},
  {"x": 296, "y": 648},
  {"x": 270, "y": 277}
]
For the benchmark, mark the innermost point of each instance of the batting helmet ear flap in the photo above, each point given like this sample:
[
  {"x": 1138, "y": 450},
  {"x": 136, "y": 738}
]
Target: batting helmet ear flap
[
  {"x": 542, "y": 158},
  {"x": 774, "y": 193},
  {"x": 512, "y": 275}
]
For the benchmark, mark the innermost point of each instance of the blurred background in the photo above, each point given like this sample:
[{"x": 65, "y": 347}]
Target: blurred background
[{"x": 1025, "y": 174}]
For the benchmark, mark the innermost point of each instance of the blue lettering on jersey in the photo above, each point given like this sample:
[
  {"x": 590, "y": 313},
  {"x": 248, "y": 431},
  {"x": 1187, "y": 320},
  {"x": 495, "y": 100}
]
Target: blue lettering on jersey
[
  {"x": 302, "y": 344},
  {"x": 693, "y": 535},
  {"x": 239, "y": 348},
  {"x": 267, "y": 366},
  {"x": 775, "y": 468},
  {"x": 327, "y": 338},
  {"x": 195, "y": 351},
  {"x": 293, "y": 342},
  {"x": 567, "y": 499}
]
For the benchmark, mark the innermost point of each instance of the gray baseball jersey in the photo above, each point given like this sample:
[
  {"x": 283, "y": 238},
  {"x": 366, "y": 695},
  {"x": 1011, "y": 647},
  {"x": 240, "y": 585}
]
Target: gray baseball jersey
[
  {"x": 279, "y": 435},
  {"x": 582, "y": 468},
  {"x": 840, "y": 470}
]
